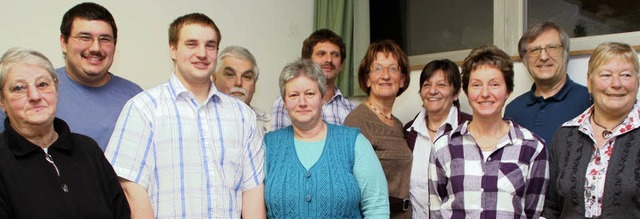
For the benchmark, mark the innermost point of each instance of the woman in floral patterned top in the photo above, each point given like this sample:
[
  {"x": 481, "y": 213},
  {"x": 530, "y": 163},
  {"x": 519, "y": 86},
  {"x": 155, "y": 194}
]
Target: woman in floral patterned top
[{"x": 595, "y": 157}]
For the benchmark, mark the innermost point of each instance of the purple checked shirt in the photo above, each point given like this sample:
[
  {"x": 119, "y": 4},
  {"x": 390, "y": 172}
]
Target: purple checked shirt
[{"x": 510, "y": 183}]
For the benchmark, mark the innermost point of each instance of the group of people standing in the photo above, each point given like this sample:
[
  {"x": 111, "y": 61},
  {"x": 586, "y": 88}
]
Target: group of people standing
[
  {"x": 552, "y": 153},
  {"x": 446, "y": 163},
  {"x": 194, "y": 147}
]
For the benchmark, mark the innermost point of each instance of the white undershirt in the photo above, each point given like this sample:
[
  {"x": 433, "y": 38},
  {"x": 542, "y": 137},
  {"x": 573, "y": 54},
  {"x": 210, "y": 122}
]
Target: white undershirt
[{"x": 486, "y": 154}]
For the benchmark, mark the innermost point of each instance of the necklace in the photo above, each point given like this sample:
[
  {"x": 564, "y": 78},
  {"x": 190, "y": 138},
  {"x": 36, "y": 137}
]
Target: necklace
[
  {"x": 606, "y": 133},
  {"x": 491, "y": 143},
  {"x": 428, "y": 128},
  {"x": 378, "y": 111}
]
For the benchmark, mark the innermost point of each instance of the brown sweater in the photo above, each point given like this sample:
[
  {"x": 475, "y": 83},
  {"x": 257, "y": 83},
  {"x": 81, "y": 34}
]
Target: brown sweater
[{"x": 391, "y": 148}]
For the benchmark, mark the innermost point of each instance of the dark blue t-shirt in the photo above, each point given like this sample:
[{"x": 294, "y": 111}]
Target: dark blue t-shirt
[{"x": 545, "y": 116}]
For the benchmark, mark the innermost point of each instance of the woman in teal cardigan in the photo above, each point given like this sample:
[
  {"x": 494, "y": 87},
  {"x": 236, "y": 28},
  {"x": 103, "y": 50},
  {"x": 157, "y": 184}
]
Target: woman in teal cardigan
[{"x": 315, "y": 169}]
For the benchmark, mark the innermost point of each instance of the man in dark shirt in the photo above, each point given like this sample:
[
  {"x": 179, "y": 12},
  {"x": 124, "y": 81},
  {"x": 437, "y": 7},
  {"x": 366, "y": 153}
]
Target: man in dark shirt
[{"x": 554, "y": 98}]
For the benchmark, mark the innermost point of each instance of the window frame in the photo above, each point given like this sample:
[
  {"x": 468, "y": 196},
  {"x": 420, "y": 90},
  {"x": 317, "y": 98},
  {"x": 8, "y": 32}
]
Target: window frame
[
  {"x": 502, "y": 37},
  {"x": 504, "y": 27}
]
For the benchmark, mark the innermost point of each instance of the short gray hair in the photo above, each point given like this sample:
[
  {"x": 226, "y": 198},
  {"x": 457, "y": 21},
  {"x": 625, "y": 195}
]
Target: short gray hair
[
  {"x": 303, "y": 67},
  {"x": 239, "y": 52},
  {"x": 19, "y": 55}
]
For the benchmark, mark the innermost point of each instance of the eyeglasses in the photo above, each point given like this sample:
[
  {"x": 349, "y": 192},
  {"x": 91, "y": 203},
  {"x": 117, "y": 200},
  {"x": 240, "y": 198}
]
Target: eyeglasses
[
  {"x": 379, "y": 69},
  {"x": 21, "y": 89},
  {"x": 550, "y": 49},
  {"x": 86, "y": 39}
]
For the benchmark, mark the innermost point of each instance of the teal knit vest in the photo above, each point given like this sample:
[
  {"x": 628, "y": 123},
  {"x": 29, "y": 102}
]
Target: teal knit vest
[{"x": 328, "y": 190}]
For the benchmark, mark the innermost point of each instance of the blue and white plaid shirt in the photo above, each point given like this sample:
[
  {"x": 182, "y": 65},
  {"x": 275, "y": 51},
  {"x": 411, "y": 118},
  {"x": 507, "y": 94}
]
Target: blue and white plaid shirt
[{"x": 194, "y": 160}]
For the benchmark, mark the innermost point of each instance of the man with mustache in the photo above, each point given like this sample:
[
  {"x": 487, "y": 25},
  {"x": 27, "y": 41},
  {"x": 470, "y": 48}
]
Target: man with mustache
[
  {"x": 554, "y": 98},
  {"x": 237, "y": 75},
  {"x": 90, "y": 97},
  {"x": 325, "y": 48}
]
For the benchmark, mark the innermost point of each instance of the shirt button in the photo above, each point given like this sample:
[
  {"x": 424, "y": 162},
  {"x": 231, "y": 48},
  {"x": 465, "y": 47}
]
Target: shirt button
[
  {"x": 307, "y": 175},
  {"x": 482, "y": 189},
  {"x": 65, "y": 188},
  {"x": 308, "y": 198}
]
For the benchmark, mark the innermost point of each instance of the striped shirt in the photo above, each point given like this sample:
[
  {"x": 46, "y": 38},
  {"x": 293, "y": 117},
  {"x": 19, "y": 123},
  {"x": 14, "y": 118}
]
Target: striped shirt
[
  {"x": 194, "y": 160},
  {"x": 511, "y": 183},
  {"x": 333, "y": 112},
  {"x": 419, "y": 184}
]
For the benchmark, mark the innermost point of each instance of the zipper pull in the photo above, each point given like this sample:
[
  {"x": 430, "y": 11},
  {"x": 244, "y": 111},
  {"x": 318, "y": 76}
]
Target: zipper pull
[
  {"x": 50, "y": 159},
  {"x": 63, "y": 186}
]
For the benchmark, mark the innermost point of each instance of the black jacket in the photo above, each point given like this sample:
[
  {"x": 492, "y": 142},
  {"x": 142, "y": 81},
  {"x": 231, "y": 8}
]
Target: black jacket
[
  {"x": 570, "y": 153},
  {"x": 87, "y": 186}
]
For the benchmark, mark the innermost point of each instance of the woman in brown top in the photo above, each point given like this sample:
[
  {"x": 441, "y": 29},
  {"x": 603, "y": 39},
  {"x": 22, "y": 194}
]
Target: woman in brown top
[{"x": 384, "y": 74}]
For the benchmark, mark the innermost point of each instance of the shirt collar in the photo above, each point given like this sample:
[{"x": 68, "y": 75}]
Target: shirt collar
[
  {"x": 566, "y": 88},
  {"x": 516, "y": 133},
  {"x": 420, "y": 122},
  {"x": 631, "y": 122},
  {"x": 580, "y": 119},
  {"x": 179, "y": 90},
  {"x": 260, "y": 115},
  {"x": 337, "y": 96},
  {"x": 63, "y": 76},
  {"x": 20, "y": 146}
]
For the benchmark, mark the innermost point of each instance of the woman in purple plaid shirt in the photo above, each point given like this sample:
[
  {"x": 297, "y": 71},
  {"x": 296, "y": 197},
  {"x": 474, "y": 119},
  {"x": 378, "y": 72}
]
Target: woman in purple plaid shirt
[{"x": 490, "y": 167}]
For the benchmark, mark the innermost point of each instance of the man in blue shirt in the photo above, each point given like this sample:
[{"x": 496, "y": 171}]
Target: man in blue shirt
[
  {"x": 90, "y": 97},
  {"x": 554, "y": 98}
]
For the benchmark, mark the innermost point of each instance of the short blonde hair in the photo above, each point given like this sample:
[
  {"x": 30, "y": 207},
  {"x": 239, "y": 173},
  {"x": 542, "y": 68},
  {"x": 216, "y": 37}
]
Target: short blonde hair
[{"x": 607, "y": 51}]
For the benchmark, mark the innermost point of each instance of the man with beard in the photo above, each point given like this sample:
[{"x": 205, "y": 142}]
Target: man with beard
[
  {"x": 237, "y": 75},
  {"x": 325, "y": 48},
  {"x": 90, "y": 97},
  {"x": 554, "y": 98}
]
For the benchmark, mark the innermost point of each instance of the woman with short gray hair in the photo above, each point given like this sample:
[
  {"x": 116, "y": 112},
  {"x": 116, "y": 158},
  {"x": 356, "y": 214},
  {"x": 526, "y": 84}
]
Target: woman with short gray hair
[
  {"x": 303, "y": 159},
  {"x": 46, "y": 171}
]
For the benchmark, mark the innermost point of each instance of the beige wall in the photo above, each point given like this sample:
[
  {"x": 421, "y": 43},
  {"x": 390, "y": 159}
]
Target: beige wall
[{"x": 272, "y": 30}]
